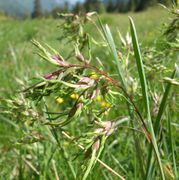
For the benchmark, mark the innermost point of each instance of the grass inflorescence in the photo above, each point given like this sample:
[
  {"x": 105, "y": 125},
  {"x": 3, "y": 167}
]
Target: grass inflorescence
[{"x": 99, "y": 106}]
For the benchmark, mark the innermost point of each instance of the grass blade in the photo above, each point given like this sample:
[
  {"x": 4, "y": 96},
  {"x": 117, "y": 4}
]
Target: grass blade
[
  {"x": 158, "y": 122},
  {"x": 90, "y": 165},
  {"x": 172, "y": 149},
  {"x": 111, "y": 43},
  {"x": 114, "y": 53},
  {"x": 143, "y": 82},
  {"x": 109, "y": 38},
  {"x": 162, "y": 106},
  {"x": 140, "y": 68}
]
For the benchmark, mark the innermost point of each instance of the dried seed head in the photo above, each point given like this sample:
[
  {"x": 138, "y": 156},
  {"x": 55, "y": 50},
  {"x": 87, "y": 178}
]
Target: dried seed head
[
  {"x": 92, "y": 95},
  {"x": 106, "y": 124},
  {"x": 36, "y": 135}
]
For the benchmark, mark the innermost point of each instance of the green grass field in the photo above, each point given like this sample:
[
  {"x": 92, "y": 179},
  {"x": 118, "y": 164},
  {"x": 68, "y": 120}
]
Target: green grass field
[
  {"x": 19, "y": 63},
  {"x": 17, "y": 51}
]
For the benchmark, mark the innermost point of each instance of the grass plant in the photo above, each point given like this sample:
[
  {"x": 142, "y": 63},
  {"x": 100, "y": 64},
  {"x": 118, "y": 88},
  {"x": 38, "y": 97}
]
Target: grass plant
[{"x": 100, "y": 103}]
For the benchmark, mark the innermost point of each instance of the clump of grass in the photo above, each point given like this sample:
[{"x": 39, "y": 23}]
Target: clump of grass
[{"x": 80, "y": 97}]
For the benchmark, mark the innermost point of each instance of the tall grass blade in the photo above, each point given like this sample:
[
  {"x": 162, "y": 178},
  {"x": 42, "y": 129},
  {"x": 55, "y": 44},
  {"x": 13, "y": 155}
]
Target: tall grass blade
[
  {"x": 162, "y": 106},
  {"x": 158, "y": 121},
  {"x": 114, "y": 54},
  {"x": 143, "y": 82},
  {"x": 171, "y": 140},
  {"x": 109, "y": 38},
  {"x": 95, "y": 156},
  {"x": 90, "y": 165}
]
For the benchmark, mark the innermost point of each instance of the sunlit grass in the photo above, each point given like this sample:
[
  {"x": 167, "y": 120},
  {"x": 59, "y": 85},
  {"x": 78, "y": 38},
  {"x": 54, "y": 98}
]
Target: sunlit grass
[{"x": 18, "y": 63}]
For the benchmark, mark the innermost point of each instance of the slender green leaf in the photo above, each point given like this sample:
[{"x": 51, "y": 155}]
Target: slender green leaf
[
  {"x": 114, "y": 53},
  {"x": 111, "y": 43},
  {"x": 162, "y": 106},
  {"x": 90, "y": 165},
  {"x": 171, "y": 140},
  {"x": 143, "y": 82},
  {"x": 158, "y": 122}
]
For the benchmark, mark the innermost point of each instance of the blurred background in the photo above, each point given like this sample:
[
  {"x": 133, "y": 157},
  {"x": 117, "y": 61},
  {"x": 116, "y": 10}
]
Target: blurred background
[
  {"x": 46, "y": 8},
  {"x": 24, "y": 20}
]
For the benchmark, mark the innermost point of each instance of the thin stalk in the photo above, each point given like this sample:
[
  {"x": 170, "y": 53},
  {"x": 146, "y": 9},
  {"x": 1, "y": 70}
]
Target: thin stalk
[
  {"x": 55, "y": 171},
  {"x": 55, "y": 135},
  {"x": 98, "y": 160},
  {"x": 31, "y": 166}
]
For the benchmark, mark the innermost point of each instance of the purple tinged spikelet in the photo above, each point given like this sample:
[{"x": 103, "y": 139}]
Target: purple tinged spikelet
[
  {"x": 86, "y": 80},
  {"x": 49, "y": 76},
  {"x": 59, "y": 61}
]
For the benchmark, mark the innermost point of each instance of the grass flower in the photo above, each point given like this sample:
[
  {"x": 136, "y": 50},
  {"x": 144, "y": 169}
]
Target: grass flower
[
  {"x": 99, "y": 98},
  {"x": 74, "y": 96},
  {"x": 59, "y": 61},
  {"x": 106, "y": 113},
  {"x": 93, "y": 75},
  {"x": 105, "y": 104},
  {"x": 59, "y": 100}
]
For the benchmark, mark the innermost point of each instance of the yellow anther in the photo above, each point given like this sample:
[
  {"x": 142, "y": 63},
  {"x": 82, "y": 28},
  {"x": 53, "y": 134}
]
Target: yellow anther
[
  {"x": 108, "y": 104},
  {"x": 59, "y": 100},
  {"x": 74, "y": 96},
  {"x": 105, "y": 104},
  {"x": 106, "y": 113},
  {"x": 99, "y": 98},
  {"x": 93, "y": 75}
]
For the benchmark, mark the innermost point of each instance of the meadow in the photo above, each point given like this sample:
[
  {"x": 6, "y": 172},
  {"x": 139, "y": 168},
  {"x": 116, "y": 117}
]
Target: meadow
[{"x": 49, "y": 157}]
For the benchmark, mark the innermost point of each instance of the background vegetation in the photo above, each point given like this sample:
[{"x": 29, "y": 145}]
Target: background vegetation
[{"x": 31, "y": 152}]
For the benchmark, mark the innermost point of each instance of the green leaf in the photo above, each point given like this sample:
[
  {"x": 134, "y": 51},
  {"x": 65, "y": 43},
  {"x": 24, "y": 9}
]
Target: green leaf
[
  {"x": 108, "y": 37},
  {"x": 140, "y": 68},
  {"x": 158, "y": 120},
  {"x": 115, "y": 55}
]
